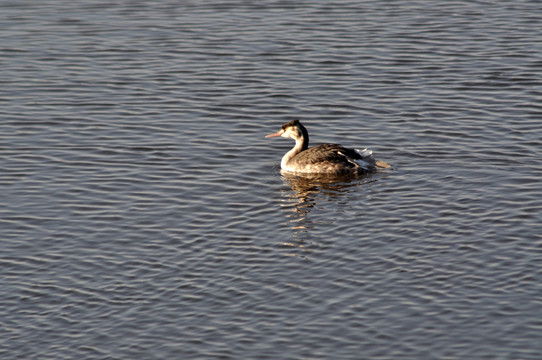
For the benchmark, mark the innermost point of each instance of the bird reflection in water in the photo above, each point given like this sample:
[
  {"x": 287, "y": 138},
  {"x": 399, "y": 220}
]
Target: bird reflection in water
[{"x": 308, "y": 190}]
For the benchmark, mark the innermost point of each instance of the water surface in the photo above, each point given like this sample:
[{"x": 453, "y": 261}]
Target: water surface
[{"x": 143, "y": 213}]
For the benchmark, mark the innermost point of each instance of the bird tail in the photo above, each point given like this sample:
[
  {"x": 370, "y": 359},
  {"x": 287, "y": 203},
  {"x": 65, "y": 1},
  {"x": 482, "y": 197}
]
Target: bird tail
[
  {"x": 367, "y": 157},
  {"x": 381, "y": 164}
]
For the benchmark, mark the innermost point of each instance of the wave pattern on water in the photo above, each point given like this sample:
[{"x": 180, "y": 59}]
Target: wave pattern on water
[{"x": 143, "y": 213}]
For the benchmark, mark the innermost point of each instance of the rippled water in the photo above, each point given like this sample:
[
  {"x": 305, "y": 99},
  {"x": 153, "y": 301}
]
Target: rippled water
[{"x": 143, "y": 214}]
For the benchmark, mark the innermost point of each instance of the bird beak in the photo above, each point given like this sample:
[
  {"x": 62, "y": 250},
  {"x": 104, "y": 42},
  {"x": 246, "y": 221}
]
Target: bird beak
[{"x": 278, "y": 133}]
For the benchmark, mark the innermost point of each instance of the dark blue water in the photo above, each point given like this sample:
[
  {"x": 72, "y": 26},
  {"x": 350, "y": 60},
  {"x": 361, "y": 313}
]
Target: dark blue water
[{"x": 143, "y": 214}]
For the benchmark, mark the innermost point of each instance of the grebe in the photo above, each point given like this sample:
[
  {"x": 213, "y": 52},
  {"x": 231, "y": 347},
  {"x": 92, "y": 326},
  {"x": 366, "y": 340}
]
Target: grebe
[{"x": 325, "y": 158}]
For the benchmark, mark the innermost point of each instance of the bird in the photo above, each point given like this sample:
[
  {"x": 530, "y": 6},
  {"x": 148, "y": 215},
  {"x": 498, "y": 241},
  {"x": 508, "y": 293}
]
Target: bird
[{"x": 332, "y": 159}]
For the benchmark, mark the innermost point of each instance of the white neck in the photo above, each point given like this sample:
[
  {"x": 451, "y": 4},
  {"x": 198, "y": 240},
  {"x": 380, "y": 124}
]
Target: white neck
[{"x": 298, "y": 147}]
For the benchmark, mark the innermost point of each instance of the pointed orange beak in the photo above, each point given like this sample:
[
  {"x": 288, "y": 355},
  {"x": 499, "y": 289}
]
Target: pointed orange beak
[{"x": 278, "y": 133}]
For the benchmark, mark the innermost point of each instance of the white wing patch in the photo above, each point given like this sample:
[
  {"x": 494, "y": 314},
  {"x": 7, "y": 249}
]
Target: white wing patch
[
  {"x": 363, "y": 163},
  {"x": 364, "y": 153}
]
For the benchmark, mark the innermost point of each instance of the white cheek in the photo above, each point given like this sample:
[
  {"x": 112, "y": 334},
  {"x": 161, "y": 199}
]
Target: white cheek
[{"x": 289, "y": 134}]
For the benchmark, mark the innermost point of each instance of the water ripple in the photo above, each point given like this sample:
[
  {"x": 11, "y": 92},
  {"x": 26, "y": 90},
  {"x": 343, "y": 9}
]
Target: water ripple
[{"x": 144, "y": 215}]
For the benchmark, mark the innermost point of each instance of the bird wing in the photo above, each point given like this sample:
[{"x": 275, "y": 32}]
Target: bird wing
[{"x": 332, "y": 153}]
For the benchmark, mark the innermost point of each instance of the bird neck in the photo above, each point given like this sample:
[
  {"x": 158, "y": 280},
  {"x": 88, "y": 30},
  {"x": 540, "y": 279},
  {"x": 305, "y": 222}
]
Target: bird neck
[{"x": 301, "y": 144}]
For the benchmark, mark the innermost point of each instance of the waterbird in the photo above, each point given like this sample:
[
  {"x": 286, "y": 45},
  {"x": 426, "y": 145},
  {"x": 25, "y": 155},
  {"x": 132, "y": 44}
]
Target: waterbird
[{"x": 331, "y": 159}]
